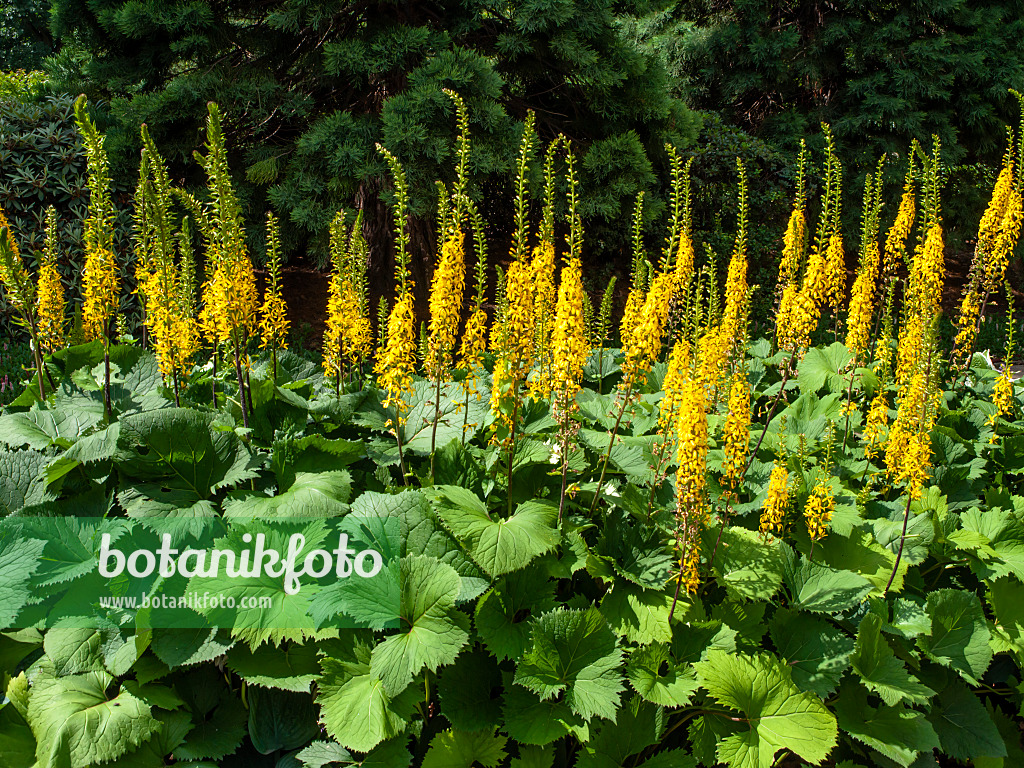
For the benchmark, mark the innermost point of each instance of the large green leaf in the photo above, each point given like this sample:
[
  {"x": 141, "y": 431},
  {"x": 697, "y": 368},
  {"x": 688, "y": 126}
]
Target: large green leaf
[
  {"x": 502, "y": 615},
  {"x": 467, "y": 690},
  {"x": 747, "y": 565},
  {"x": 176, "y": 456},
  {"x": 433, "y": 630},
  {"x": 898, "y": 733},
  {"x": 22, "y": 483},
  {"x": 464, "y": 749},
  {"x": 776, "y": 714},
  {"x": 821, "y": 368},
  {"x": 965, "y": 729},
  {"x": 530, "y": 720},
  {"x": 640, "y": 615},
  {"x": 881, "y": 671},
  {"x": 291, "y": 668},
  {"x": 660, "y": 679},
  {"x": 817, "y": 652},
  {"x": 822, "y": 589},
  {"x": 960, "y": 634},
  {"x": 280, "y": 720},
  {"x": 354, "y": 705},
  {"x": 77, "y": 725},
  {"x": 499, "y": 545},
  {"x": 575, "y": 652},
  {"x": 311, "y": 494}
]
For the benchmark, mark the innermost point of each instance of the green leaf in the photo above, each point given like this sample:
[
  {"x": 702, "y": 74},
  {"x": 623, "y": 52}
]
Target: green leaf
[
  {"x": 966, "y": 732},
  {"x": 463, "y": 749},
  {"x": 423, "y": 533},
  {"x": 575, "y": 652},
  {"x": 821, "y": 589},
  {"x": 777, "y": 714},
  {"x": 280, "y": 720},
  {"x": 640, "y": 615},
  {"x": 218, "y": 713},
  {"x": 433, "y": 629},
  {"x": 175, "y": 456},
  {"x": 749, "y": 567},
  {"x": 881, "y": 671},
  {"x": 20, "y": 558},
  {"x": 673, "y": 687},
  {"x": 502, "y": 615},
  {"x": 817, "y": 652},
  {"x": 820, "y": 367},
  {"x": 898, "y": 733},
  {"x": 183, "y": 647},
  {"x": 467, "y": 691},
  {"x": 354, "y": 705},
  {"x": 960, "y": 635},
  {"x": 22, "y": 482},
  {"x": 529, "y": 720},
  {"x": 76, "y": 725},
  {"x": 636, "y": 552},
  {"x": 503, "y": 545},
  {"x": 322, "y": 754},
  {"x": 311, "y": 494},
  {"x": 73, "y": 650},
  {"x": 640, "y": 725},
  {"x": 292, "y": 668}
]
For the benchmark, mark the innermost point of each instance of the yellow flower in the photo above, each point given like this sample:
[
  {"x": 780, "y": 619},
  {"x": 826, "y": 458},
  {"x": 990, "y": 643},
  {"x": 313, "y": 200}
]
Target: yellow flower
[
  {"x": 691, "y": 455},
  {"x": 542, "y": 275},
  {"x": 818, "y": 510},
  {"x": 876, "y": 421},
  {"x": 862, "y": 301},
  {"x": 835, "y": 277},
  {"x": 896, "y": 239},
  {"x": 1002, "y": 397},
  {"x": 776, "y": 503},
  {"x": 923, "y": 296},
  {"x": 644, "y": 343},
  {"x": 672, "y": 386},
  {"x": 570, "y": 343},
  {"x": 630, "y": 315},
  {"x": 684, "y": 260},
  {"x": 1005, "y": 242},
  {"x": 13, "y": 274},
  {"x": 734, "y": 318},
  {"x": 792, "y": 247},
  {"x": 908, "y": 450},
  {"x": 50, "y": 291},
  {"x": 736, "y": 433},
  {"x": 100, "y": 289},
  {"x": 446, "y": 291},
  {"x": 274, "y": 313},
  {"x": 397, "y": 361},
  {"x": 473, "y": 346}
]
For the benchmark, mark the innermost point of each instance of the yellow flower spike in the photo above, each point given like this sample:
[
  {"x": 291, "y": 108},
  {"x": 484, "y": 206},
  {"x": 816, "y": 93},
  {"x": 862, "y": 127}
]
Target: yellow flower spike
[
  {"x": 875, "y": 422},
  {"x": 672, "y": 387},
  {"x": 896, "y": 238},
  {"x": 446, "y": 294},
  {"x": 397, "y": 361},
  {"x": 1002, "y": 399},
  {"x": 274, "y": 312},
  {"x": 691, "y": 456},
  {"x": 570, "y": 344},
  {"x": 736, "y": 434},
  {"x": 776, "y": 503},
  {"x": 50, "y": 311},
  {"x": 818, "y": 510},
  {"x": 792, "y": 247},
  {"x": 835, "y": 277},
  {"x": 101, "y": 288},
  {"x": 644, "y": 344}
]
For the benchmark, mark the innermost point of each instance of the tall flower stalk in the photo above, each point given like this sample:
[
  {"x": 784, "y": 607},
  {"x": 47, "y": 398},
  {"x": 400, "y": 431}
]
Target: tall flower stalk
[
  {"x": 396, "y": 362},
  {"x": 21, "y": 293},
  {"x": 274, "y": 312},
  {"x": 101, "y": 285},
  {"x": 50, "y": 305}
]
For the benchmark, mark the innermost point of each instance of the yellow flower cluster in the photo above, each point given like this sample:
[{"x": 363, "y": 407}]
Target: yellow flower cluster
[
  {"x": 896, "y": 238},
  {"x": 672, "y": 387},
  {"x": 542, "y": 275},
  {"x": 875, "y": 422},
  {"x": 631, "y": 314},
  {"x": 923, "y": 297},
  {"x": 691, "y": 456},
  {"x": 644, "y": 343},
  {"x": 1002, "y": 397},
  {"x": 736, "y": 433},
  {"x": 101, "y": 289},
  {"x": 684, "y": 260},
  {"x": 274, "y": 313},
  {"x": 172, "y": 327},
  {"x": 397, "y": 361},
  {"x": 967, "y": 322},
  {"x": 473, "y": 346},
  {"x": 818, "y": 510},
  {"x": 862, "y": 301},
  {"x": 908, "y": 450},
  {"x": 776, "y": 503},
  {"x": 50, "y": 307},
  {"x": 13, "y": 274},
  {"x": 792, "y": 247},
  {"x": 1006, "y": 241},
  {"x": 734, "y": 318},
  {"x": 446, "y": 289},
  {"x": 570, "y": 343},
  {"x": 835, "y": 272},
  {"x": 230, "y": 298},
  {"x": 513, "y": 347}
]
